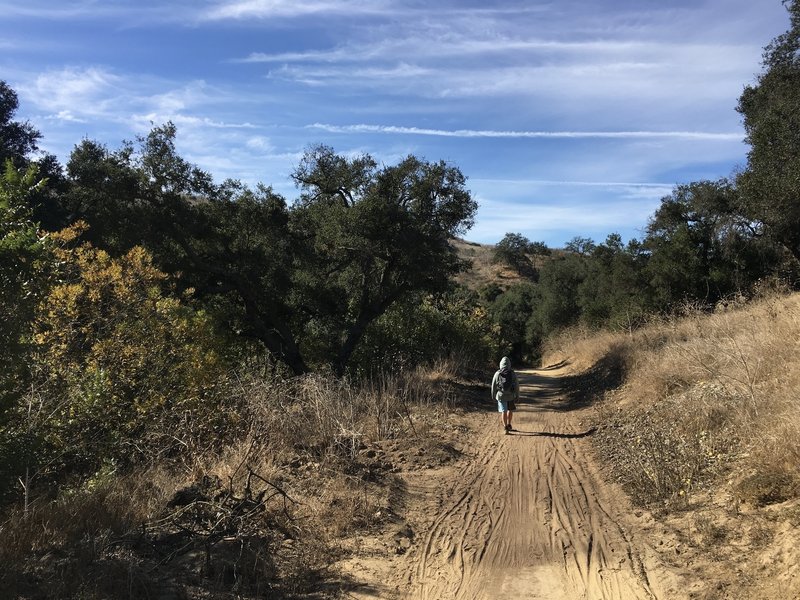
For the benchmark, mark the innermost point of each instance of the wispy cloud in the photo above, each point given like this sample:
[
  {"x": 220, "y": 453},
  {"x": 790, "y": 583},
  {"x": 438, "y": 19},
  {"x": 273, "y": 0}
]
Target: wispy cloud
[
  {"x": 573, "y": 80},
  {"x": 262, "y": 9},
  {"x": 65, "y": 116},
  {"x": 52, "y": 10},
  {"x": 454, "y": 45},
  {"x": 567, "y": 183},
  {"x": 187, "y": 120},
  {"x": 95, "y": 93},
  {"x": 120, "y": 15},
  {"x": 482, "y": 133},
  {"x": 76, "y": 92}
]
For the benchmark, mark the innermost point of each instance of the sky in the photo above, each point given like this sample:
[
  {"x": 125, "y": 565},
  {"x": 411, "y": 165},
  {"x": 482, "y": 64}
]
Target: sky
[{"x": 568, "y": 117}]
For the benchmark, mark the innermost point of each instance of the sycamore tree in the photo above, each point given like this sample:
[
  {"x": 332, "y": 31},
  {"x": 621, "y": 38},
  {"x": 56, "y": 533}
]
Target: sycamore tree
[{"x": 770, "y": 184}]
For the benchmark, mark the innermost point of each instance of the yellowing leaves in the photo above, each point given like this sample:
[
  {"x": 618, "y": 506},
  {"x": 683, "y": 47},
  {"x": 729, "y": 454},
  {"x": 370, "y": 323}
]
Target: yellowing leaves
[{"x": 116, "y": 350}]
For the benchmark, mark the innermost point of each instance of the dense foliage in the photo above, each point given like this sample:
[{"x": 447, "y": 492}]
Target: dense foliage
[
  {"x": 134, "y": 285},
  {"x": 23, "y": 259}
]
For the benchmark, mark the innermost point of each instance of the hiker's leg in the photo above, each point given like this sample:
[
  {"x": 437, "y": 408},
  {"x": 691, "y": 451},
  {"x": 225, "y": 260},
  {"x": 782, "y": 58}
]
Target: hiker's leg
[{"x": 510, "y": 414}]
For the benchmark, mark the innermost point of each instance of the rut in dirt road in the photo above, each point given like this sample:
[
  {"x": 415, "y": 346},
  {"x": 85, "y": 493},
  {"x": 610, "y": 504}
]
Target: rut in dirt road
[{"x": 528, "y": 517}]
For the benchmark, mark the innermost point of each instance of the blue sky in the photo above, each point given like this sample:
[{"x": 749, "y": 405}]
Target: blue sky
[{"x": 569, "y": 118}]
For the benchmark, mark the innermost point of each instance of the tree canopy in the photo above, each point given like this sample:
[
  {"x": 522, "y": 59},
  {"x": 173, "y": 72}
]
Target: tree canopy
[
  {"x": 17, "y": 139},
  {"x": 306, "y": 279},
  {"x": 771, "y": 112},
  {"x": 515, "y": 251},
  {"x": 371, "y": 235}
]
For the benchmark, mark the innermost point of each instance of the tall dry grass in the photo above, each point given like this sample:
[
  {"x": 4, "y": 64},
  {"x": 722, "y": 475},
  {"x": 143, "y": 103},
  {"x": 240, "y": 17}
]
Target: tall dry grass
[
  {"x": 77, "y": 543},
  {"x": 265, "y": 504},
  {"x": 703, "y": 394}
]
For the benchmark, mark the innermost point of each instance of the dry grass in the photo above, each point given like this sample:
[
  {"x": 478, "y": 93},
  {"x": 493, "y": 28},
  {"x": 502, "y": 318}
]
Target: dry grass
[
  {"x": 265, "y": 510},
  {"x": 486, "y": 271},
  {"x": 581, "y": 348},
  {"x": 77, "y": 544},
  {"x": 703, "y": 394}
]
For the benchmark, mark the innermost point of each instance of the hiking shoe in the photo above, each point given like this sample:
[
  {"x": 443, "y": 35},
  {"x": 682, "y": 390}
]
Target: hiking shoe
[{"x": 508, "y": 427}]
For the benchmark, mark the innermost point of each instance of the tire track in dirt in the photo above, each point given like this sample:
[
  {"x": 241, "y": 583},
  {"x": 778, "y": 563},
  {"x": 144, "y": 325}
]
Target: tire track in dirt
[{"x": 529, "y": 517}]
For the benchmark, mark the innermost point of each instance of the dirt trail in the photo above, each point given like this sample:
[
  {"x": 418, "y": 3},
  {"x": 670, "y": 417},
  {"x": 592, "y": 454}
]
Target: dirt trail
[{"x": 527, "y": 516}]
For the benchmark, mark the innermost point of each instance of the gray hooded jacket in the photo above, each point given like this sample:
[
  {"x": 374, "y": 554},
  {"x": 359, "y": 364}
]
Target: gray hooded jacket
[{"x": 497, "y": 393}]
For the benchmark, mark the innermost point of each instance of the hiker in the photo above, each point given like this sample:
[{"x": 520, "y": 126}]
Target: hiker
[{"x": 505, "y": 389}]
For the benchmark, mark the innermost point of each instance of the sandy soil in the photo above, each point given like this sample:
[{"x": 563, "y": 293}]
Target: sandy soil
[{"x": 525, "y": 515}]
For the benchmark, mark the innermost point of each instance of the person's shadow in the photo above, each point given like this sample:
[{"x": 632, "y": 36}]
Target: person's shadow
[{"x": 568, "y": 436}]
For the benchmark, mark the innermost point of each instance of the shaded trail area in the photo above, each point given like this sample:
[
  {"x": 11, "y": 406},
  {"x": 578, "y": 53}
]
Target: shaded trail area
[{"x": 527, "y": 515}]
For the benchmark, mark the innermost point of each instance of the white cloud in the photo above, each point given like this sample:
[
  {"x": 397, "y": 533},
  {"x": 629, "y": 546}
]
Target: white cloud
[
  {"x": 87, "y": 92},
  {"x": 263, "y": 9},
  {"x": 428, "y": 47},
  {"x": 50, "y": 10},
  {"x": 186, "y": 120},
  {"x": 120, "y": 15},
  {"x": 559, "y": 62},
  {"x": 572, "y": 83},
  {"x": 481, "y": 133},
  {"x": 96, "y": 93},
  {"x": 65, "y": 116},
  {"x": 260, "y": 143},
  {"x": 658, "y": 186}
]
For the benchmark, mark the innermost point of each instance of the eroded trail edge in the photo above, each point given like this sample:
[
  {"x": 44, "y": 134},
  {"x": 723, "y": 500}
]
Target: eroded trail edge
[{"x": 528, "y": 516}]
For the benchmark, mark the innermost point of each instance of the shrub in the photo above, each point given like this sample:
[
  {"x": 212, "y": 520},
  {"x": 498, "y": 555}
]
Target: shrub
[{"x": 119, "y": 366}]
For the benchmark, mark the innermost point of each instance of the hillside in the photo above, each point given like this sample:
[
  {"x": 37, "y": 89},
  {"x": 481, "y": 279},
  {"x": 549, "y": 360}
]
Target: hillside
[{"x": 484, "y": 269}]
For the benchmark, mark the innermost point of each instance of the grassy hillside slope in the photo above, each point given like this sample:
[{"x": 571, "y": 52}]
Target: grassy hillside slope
[
  {"x": 484, "y": 269},
  {"x": 699, "y": 419}
]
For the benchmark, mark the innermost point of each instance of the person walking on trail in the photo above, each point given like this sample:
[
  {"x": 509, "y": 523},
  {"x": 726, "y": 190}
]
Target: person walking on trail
[{"x": 505, "y": 389}]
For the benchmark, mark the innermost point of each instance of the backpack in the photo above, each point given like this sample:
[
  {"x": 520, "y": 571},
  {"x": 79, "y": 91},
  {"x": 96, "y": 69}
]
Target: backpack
[{"x": 505, "y": 380}]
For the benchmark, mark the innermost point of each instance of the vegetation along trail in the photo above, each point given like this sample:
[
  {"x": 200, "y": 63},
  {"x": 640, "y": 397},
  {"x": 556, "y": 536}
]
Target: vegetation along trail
[{"x": 528, "y": 516}]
